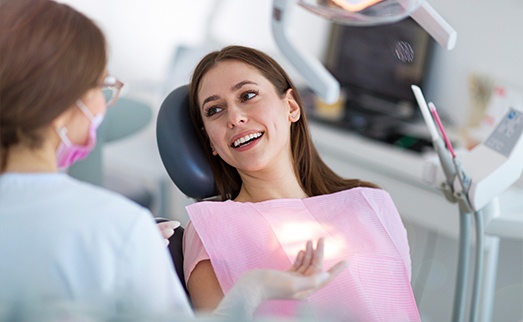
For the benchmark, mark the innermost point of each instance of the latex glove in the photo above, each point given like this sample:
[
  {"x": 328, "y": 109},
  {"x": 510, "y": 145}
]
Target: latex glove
[
  {"x": 304, "y": 278},
  {"x": 167, "y": 228}
]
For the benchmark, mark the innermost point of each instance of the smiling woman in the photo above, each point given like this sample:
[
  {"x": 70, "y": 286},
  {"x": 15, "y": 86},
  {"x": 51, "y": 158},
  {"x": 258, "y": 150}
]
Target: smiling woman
[
  {"x": 245, "y": 119},
  {"x": 277, "y": 193},
  {"x": 256, "y": 82}
]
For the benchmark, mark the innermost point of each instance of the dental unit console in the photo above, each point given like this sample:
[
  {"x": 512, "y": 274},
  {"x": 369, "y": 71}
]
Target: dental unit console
[
  {"x": 489, "y": 168},
  {"x": 474, "y": 179}
]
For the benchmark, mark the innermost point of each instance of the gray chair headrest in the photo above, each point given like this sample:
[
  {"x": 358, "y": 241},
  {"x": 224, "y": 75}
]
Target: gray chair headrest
[{"x": 180, "y": 151}]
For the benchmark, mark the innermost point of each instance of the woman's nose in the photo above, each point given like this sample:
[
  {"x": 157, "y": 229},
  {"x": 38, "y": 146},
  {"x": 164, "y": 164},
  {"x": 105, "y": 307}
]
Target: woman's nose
[{"x": 236, "y": 116}]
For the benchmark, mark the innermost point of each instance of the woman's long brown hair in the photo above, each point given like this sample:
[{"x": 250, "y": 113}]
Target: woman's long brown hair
[{"x": 315, "y": 176}]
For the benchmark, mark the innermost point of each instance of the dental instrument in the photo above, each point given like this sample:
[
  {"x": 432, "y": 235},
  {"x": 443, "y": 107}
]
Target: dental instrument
[{"x": 477, "y": 192}]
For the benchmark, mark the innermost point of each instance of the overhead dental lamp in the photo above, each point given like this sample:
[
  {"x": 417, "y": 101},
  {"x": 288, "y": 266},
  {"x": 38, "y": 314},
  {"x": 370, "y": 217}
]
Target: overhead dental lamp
[
  {"x": 357, "y": 13},
  {"x": 361, "y": 12}
]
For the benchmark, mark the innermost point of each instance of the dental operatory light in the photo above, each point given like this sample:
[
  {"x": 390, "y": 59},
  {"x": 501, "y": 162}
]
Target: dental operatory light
[
  {"x": 357, "y": 13},
  {"x": 362, "y": 12}
]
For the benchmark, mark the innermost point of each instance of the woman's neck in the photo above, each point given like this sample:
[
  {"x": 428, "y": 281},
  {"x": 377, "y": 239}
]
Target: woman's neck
[
  {"x": 265, "y": 185},
  {"x": 21, "y": 158}
]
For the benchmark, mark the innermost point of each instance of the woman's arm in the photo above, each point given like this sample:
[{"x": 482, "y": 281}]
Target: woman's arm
[
  {"x": 204, "y": 289},
  {"x": 305, "y": 277}
]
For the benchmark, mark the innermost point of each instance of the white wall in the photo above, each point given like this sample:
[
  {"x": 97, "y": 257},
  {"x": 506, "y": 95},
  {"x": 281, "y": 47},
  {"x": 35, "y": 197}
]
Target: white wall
[
  {"x": 490, "y": 42},
  {"x": 143, "y": 36}
]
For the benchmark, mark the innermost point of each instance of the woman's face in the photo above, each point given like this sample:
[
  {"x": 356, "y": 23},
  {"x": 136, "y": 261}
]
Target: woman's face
[
  {"x": 247, "y": 122},
  {"x": 77, "y": 122}
]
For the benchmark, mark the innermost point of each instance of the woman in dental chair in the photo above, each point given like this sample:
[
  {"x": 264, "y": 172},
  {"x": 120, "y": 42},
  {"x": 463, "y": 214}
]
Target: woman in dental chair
[
  {"x": 276, "y": 192},
  {"x": 70, "y": 250}
]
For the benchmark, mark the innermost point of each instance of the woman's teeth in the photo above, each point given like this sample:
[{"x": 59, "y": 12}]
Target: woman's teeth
[{"x": 246, "y": 138}]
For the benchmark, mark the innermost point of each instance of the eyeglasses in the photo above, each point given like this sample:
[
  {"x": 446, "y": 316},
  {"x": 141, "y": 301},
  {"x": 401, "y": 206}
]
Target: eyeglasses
[{"x": 111, "y": 89}]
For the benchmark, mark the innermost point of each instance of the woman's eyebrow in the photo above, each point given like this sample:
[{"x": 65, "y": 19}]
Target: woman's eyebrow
[
  {"x": 233, "y": 88},
  {"x": 210, "y": 99},
  {"x": 240, "y": 84}
]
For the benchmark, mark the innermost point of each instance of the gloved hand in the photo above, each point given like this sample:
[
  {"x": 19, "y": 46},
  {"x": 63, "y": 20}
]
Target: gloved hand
[
  {"x": 167, "y": 228},
  {"x": 304, "y": 278}
]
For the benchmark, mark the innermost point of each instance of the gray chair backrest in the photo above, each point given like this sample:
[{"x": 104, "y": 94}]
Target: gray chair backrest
[
  {"x": 127, "y": 117},
  {"x": 180, "y": 151}
]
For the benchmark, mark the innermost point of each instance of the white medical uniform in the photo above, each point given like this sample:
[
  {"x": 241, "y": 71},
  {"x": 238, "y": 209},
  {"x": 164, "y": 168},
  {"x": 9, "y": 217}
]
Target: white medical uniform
[{"x": 65, "y": 243}]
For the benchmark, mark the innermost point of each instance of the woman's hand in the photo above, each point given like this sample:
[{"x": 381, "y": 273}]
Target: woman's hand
[
  {"x": 167, "y": 228},
  {"x": 305, "y": 277},
  {"x": 310, "y": 260}
]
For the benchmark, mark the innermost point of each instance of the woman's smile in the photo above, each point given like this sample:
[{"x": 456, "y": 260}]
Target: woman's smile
[{"x": 246, "y": 140}]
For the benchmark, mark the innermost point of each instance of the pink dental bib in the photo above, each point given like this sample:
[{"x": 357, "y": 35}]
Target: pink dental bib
[{"x": 360, "y": 225}]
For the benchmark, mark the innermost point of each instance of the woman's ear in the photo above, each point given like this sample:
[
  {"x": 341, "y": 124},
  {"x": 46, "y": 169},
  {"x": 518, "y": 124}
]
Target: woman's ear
[
  {"x": 294, "y": 107},
  {"x": 61, "y": 120},
  {"x": 213, "y": 150}
]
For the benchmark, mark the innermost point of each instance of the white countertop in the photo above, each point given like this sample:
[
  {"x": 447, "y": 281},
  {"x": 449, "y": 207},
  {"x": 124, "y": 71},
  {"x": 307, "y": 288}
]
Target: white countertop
[{"x": 399, "y": 171}]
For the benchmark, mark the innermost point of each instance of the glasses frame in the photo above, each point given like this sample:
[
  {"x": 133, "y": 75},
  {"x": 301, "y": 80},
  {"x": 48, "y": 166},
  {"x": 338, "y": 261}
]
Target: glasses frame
[{"x": 111, "y": 85}]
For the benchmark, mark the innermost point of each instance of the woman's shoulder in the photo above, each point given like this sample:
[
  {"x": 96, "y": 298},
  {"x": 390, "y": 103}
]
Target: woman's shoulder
[
  {"x": 358, "y": 191},
  {"x": 218, "y": 208},
  {"x": 89, "y": 200},
  {"x": 79, "y": 208},
  {"x": 94, "y": 193},
  {"x": 104, "y": 210}
]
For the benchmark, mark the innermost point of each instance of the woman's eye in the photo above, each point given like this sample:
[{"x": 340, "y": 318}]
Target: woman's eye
[
  {"x": 212, "y": 110},
  {"x": 248, "y": 95}
]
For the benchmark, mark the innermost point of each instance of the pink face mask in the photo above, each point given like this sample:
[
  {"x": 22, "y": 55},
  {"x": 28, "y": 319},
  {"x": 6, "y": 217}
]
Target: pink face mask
[{"x": 68, "y": 153}]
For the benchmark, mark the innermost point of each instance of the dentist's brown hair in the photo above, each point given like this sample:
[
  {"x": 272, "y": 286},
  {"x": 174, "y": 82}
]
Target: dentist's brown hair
[{"x": 51, "y": 55}]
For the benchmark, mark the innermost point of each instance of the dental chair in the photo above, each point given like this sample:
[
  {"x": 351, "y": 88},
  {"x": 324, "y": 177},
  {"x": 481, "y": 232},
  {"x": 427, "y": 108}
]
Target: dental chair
[
  {"x": 180, "y": 150},
  {"x": 183, "y": 158}
]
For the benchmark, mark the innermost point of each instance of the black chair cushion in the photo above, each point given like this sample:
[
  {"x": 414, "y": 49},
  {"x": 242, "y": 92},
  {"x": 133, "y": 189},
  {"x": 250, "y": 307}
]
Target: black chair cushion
[{"x": 180, "y": 151}]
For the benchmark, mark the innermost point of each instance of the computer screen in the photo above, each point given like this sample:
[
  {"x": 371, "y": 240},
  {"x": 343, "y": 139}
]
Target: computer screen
[{"x": 376, "y": 65}]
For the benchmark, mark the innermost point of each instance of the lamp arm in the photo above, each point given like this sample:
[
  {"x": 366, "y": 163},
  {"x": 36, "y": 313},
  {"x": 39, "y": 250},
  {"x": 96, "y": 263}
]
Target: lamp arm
[
  {"x": 430, "y": 20},
  {"x": 319, "y": 78}
]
